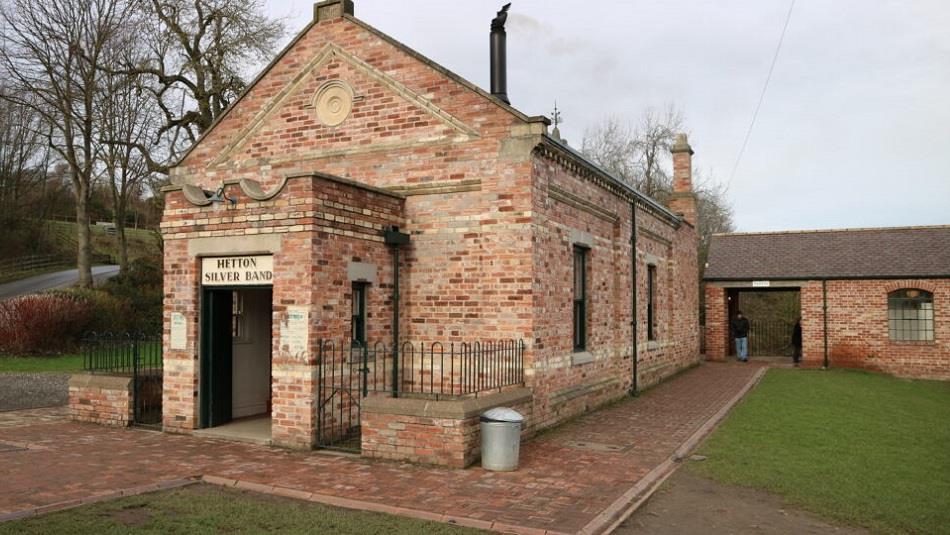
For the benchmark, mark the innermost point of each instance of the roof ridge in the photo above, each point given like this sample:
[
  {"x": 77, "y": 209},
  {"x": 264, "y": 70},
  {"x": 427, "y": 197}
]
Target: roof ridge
[{"x": 832, "y": 230}]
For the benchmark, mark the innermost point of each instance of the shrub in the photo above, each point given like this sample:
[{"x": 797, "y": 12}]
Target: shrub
[
  {"x": 141, "y": 290},
  {"x": 43, "y": 323},
  {"x": 107, "y": 313}
]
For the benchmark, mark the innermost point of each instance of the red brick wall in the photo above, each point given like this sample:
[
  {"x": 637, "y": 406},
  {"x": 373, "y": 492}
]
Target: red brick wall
[
  {"x": 858, "y": 335},
  {"x": 322, "y": 225},
  {"x": 453, "y": 441},
  {"x": 567, "y": 203},
  {"x": 467, "y": 202},
  {"x": 101, "y": 399},
  {"x": 717, "y": 322}
]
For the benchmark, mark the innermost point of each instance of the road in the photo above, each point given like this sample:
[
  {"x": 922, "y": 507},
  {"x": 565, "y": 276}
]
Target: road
[{"x": 48, "y": 281}]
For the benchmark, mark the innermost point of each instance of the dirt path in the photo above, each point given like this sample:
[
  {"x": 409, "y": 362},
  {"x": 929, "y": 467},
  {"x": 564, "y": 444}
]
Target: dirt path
[{"x": 687, "y": 503}]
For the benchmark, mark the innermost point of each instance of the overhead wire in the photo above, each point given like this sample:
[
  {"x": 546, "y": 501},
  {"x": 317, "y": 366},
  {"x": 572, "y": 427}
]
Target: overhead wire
[{"x": 765, "y": 87}]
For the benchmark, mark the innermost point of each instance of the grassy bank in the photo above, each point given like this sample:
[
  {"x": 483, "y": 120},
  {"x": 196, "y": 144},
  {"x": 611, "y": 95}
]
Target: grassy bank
[
  {"x": 866, "y": 449},
  {"x": 59, "y": 364}
]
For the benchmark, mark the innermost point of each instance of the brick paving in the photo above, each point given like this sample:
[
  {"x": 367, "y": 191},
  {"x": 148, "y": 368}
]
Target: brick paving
[{"x": 567, "y": 477}]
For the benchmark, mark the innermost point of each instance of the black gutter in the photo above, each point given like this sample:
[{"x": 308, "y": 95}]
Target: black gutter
[
  {"x": 634, "y": 386},
  {"x": 824, "y": 306},
  {"x": 613, "y": 180}
]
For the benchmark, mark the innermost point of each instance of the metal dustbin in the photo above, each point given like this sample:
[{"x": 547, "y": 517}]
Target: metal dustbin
[{"x": 501, "y": 439}]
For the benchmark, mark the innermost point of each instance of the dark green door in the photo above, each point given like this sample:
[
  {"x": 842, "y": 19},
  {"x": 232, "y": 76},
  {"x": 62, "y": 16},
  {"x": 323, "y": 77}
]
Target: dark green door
[{"x": 216, "y": 357}]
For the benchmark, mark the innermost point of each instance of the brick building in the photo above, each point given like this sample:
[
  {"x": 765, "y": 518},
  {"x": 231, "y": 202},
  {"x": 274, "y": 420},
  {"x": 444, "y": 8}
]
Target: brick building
[
  {"x": 875, "y": 298},
  {"x": 365, "y": 241}
]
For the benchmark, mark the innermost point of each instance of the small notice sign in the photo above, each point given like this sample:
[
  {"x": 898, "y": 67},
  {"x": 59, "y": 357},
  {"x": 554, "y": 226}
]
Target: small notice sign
[
  {"x": 295, "y": 330},
  {"x": 237, "y": 270},
  {"x": 760, "y": 284},
  {"x": 179, "y": 336}
]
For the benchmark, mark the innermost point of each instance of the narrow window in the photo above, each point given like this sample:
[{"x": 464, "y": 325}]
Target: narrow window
[
  {"x": 910, "y": 315},
  {"x": 359, "y": 314},
  {"x": 651, "y": 302},
  {"x": 580, "y": 299}
]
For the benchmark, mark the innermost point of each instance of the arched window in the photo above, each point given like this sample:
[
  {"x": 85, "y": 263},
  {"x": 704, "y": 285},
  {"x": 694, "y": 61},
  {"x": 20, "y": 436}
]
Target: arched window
[{"x": 910, "y": 314}]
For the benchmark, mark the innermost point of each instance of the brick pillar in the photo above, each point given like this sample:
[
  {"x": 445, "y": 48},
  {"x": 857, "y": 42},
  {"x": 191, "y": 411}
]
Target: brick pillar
[
  {"x": 683, "y": 199},
  {"x": 293, "y": 367},
  {"x": 813, "y": 327},
  {"x": 717, "y": 323}
]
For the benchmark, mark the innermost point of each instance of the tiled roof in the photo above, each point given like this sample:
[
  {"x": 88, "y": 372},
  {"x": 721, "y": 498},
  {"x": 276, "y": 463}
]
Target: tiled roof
[{"x": 914, "y": 252}]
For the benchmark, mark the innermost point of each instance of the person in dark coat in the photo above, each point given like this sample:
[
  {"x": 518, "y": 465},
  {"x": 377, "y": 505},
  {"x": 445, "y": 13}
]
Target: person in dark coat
[
  {"x": 797, "y": 341},
  {"x": 740, "y": 331}
]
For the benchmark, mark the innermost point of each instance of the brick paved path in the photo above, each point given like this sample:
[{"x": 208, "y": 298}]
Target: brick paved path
[{"x": 567, "y": 476}]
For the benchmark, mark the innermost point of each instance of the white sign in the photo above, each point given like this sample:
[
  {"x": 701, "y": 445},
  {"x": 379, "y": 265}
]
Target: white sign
[
  {"x": 295, "y": 330},
  {"x": 760, "y": 284},
  {"x": 237, "y": 270},
  {"x": 179, "y": 336}
]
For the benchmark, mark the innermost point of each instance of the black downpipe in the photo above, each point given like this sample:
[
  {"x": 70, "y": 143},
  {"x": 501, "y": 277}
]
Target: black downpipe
[
  {"x": 634, "y": 387},
  {"x": 499, "y": 53},
  {"x": 396, "y": 321},
  {"x": 394, "y": 238},
  {"x": 824, "y": 306}
]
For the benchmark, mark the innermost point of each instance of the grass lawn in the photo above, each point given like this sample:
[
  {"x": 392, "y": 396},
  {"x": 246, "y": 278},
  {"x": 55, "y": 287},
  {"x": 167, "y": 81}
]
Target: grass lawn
[
  {"x": 866, "y": 449},
  {"x": 208, "y": 509},
  {"x": 59, "y": 364}
]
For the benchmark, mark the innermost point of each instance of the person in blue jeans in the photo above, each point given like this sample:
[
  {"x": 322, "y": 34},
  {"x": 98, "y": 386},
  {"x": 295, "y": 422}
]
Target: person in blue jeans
[{"x": 740, "y": 331}]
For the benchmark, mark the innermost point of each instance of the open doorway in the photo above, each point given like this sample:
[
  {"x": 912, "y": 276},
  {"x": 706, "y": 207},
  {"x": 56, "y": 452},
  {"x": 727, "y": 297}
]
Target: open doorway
[
  {"x": 772, "y": 314},
  {"x": 235, "y": 384}
]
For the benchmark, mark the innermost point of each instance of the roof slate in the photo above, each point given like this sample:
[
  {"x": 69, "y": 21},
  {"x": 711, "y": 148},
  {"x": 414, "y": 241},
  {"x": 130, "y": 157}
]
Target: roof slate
[{"x": 913, "y": 252}]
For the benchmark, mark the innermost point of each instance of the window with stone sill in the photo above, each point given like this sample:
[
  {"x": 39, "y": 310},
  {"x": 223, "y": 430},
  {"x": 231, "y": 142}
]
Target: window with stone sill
[
  {"x": 580, "y": 298},
  {"x": 651, "y": 302},
  {"x": 358, "y": 317},
  {"x": 910, "y": 315}
]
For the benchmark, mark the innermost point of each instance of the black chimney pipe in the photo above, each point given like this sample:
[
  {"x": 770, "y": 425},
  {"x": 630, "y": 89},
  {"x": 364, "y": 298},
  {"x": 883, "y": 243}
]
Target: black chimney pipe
[{"x": 499, "y": 63}]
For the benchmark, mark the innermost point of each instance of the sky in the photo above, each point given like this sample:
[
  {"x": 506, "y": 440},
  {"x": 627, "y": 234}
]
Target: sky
[{"x": 854, "y": 130}]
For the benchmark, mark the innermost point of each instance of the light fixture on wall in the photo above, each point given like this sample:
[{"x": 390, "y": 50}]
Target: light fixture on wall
[{"x": 220, "y": 197}]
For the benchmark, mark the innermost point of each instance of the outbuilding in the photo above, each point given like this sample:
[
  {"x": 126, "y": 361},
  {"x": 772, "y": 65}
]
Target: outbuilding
[
  {"x": 366, "y": 251},
  {"x": 873, "y": 298}
]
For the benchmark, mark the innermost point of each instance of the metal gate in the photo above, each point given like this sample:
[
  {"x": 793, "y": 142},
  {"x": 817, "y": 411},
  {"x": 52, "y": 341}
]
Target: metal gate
[
  {"x": 137, "y": 356},
  {"x": 342, "y": 371},
  {"x": 770, "y": 338}
]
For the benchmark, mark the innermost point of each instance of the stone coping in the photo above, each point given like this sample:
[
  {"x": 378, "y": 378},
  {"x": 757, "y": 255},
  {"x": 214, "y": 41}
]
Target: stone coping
[
  {"x": 458, "y": 409},
  {"x": 110, "y": 382}
]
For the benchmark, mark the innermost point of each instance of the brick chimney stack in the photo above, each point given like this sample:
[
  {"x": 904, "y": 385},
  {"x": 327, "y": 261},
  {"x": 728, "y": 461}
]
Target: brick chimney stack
[
  {"x": 683, "y": 199},
  {"x": 332, "y": 9}
]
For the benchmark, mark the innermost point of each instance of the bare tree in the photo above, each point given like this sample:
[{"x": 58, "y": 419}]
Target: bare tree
[
  {"x": 23, "y": 155},
  {"x": 638, "y": 151},
  {"x": 126, "y": 118},
  {"x": 23, "y": 164},
  {"x": 612, "y": 145},
  {"x": 52, "y": 58},
  {"x": 192, "y": 57},
  {"x": 713, "y": 212}
]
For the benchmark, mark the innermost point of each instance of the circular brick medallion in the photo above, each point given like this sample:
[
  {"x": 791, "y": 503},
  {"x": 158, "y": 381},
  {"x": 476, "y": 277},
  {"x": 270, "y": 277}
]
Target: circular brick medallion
[{"x": 334, "y": 102}]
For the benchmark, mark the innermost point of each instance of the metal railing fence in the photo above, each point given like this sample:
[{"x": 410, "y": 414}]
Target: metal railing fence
[{"x": 122, "y": 354}]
